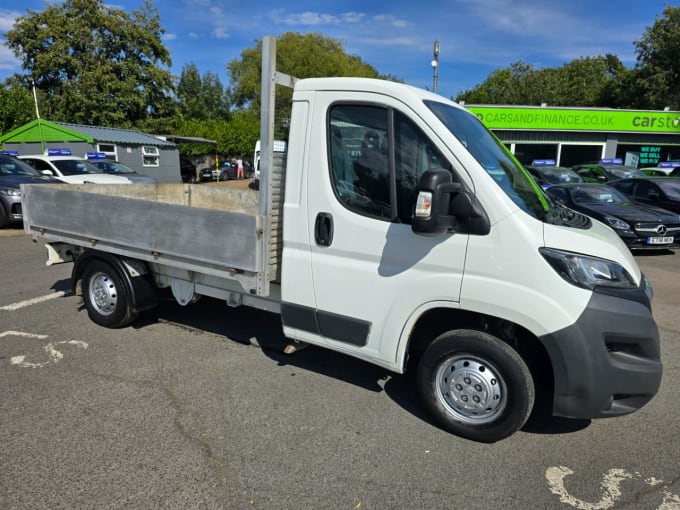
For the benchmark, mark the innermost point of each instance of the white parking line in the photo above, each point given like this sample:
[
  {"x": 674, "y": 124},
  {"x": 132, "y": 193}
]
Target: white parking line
[
  {"x": 53, "y": 355},
  {"x": 610, "y": 487},
  {"x": 29, "y": 302}
]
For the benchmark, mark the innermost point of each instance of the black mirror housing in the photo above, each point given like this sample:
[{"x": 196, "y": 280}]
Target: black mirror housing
[
  {"x": 433, "y": 202},
  {"x": 444, "y": 206}
]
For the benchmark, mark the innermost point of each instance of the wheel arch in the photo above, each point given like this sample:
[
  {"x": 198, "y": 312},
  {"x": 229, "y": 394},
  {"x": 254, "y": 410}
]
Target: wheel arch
[
  {"x": 436, "y": 321},
  {"x": 140, "y": 289}
]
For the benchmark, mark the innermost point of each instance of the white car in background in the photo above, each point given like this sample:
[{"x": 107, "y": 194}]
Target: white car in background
[{"x": 60, "y": 163}]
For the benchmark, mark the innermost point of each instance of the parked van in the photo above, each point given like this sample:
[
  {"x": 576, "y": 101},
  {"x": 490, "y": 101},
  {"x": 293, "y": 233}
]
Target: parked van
[{"x": 397, "y": 229}]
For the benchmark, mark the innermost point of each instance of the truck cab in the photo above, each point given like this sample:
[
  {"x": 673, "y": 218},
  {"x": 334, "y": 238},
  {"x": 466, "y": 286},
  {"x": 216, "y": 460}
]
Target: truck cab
[{"x": 379, "y": 277}]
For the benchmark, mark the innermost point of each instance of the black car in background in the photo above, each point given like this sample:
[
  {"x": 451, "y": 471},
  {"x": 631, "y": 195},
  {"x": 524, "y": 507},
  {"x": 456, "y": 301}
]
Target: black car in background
[
  {"x": 639, "y": 226},
  {"x": 226, "y": 172},
  {"x": 115, "y": 168},
  {"x": 547, "y": 176},
  {"x": 606, "y": 172},
  {"x": 658, "y": 191},
  {"x": 187, "y": 170}
]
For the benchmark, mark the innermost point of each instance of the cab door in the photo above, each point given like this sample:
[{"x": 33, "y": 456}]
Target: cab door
[{"x": 370, "y": 271}]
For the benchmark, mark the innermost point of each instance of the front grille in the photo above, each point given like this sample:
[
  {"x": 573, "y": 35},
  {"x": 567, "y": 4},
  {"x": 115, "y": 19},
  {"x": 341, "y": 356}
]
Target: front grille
[{"x": 652, "y": 228}]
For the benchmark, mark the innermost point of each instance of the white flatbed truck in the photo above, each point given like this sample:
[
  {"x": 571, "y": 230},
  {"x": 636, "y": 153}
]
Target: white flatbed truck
[{"x": 395, "y": 229}]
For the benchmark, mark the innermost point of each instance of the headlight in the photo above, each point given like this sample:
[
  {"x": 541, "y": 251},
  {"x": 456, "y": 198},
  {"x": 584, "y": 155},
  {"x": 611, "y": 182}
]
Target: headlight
[
  {"x": 617, "y": 223},
  {"x": 11, "y": 192},
  {"x": 588, "y": 272}
]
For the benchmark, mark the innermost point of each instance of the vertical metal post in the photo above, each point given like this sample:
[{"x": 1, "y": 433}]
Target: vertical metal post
[
  {"x": 435, "y": 67},
  {"x": 267, "y": 116},
  {"x": 267, "y": 119}
]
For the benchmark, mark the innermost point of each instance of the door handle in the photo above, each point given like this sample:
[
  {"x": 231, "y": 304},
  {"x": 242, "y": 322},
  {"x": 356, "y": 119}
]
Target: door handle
[{"x": 323, "y": 229}]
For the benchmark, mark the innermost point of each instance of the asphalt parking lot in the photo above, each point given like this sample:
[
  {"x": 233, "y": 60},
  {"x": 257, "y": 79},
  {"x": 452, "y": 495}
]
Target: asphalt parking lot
[{"x": 196, "y": 407}]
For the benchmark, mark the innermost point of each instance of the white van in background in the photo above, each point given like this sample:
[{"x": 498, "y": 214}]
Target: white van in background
[{"x": 278, "y": 146}]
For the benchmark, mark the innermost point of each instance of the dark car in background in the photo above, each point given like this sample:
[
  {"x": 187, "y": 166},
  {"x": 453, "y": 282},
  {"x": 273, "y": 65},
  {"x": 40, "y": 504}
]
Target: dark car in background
[
  {"x": 224, "y": 173},
  {"x": 14, "y": 173},
  {"x": 187, "y": 170},
  {"x": 228, "y": 171},
  {"x": 639, "y": 226},
  {"x": 546, "y": 173},
  {"x": 114, "y": 168},
  {"x": 606, "y": 170},
  {"x": 658, "y": 191},
  {"x": 209, "y": 173}
]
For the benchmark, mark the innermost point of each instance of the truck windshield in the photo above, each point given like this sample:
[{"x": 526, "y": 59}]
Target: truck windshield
[{"x": 494, "y": 158}]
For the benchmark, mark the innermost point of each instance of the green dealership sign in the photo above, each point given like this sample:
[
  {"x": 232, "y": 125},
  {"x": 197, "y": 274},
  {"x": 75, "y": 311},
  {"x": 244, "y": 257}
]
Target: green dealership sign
[{"x": 568, "y": 119}]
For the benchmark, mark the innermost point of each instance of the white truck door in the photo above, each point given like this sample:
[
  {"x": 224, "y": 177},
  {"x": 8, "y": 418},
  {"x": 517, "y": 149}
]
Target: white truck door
[{"x": 370, "y": 271}]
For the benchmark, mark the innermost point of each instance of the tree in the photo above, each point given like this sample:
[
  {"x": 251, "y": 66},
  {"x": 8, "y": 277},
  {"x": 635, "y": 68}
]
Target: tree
[
  {"x": 505, "y": 86},
  {"x": 299, "y": 55},
  {"x": 201, "y": 98},
  {"x": 658, "y": 65},
  {"x": 16, "y": 105},
  {"x": 95, "y": 64},
  {"x": 588, "y": 81}
]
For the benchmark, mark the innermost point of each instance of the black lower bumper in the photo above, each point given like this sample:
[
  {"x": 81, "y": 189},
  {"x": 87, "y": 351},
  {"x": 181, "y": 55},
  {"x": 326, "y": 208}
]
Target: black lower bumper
[{"x": 608, "y": 363}]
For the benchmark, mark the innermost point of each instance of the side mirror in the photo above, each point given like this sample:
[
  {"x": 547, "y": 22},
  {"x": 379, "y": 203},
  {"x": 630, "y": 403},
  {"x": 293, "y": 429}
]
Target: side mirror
[
  {"x": 601, "y": 178},
  {"x": 47, "y": 172},
  {"x": 442, "y": 206},
  {"x": 431, "y": 216}
]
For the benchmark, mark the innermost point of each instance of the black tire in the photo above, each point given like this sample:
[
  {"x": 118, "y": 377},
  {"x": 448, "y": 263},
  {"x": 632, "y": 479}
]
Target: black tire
[
  {"x": 4, "y": 217},
  {"x": 106, "y": 296},
  {"x": 475, "y": 385}
]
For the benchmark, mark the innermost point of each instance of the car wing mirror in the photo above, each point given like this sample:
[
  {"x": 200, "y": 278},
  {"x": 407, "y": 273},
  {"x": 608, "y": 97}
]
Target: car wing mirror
[{"x": 444, "y": 206}]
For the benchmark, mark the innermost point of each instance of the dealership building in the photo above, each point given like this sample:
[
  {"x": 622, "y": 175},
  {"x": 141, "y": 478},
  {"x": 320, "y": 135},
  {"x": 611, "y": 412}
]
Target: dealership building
[{"x": 572, "y": 136}]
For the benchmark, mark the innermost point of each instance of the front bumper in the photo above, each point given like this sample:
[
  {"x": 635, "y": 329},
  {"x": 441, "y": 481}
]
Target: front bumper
[
  {"x": 12, "y": 206},
  {"x": 608, "y": 363},
  {"x": 639, "y": 241}
]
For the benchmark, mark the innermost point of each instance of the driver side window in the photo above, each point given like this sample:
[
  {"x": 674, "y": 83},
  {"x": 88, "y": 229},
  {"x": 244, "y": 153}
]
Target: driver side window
[
  {"x": 358, "y": 159},
  {"x": 372, "y": 175}
]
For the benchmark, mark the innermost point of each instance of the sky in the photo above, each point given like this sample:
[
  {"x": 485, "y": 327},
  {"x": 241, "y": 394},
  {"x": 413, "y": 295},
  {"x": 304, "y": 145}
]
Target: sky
[{"x": 395, "y": 37}]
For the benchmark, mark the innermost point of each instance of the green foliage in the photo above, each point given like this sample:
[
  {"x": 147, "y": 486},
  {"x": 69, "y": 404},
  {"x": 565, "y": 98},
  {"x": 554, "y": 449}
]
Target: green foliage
[
  {"x": 16, "y": 104},
  {"x": 234, "y": 136},
  {"x": 299, "y": 55},
  {"x": 589, "y": 81},
  {"x": 201, "y": 98},
  {"x": 95, "y": 64},
  {"x": 658, "y": 66}
]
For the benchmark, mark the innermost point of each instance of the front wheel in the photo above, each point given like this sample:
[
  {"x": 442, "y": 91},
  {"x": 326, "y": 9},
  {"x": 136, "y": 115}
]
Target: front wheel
[
  {"x": 106, "y": 297},
  {"x": 475, "y": 385}
]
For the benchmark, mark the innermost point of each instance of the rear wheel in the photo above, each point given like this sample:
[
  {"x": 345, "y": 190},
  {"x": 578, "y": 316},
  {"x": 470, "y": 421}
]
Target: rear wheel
[
  {"x": 475, "y": 385},
  {"x": 106, "y": 297}
]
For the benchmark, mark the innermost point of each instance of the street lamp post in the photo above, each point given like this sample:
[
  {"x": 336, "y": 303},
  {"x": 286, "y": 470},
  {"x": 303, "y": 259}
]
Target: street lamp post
[{"x": 435, "y": 67}]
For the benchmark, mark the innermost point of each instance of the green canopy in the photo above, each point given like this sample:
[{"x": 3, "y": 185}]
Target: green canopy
[{"x": 40, "y": 130}]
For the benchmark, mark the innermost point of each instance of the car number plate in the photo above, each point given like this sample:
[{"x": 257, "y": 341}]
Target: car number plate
[{"x": 659, "y": 240}]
